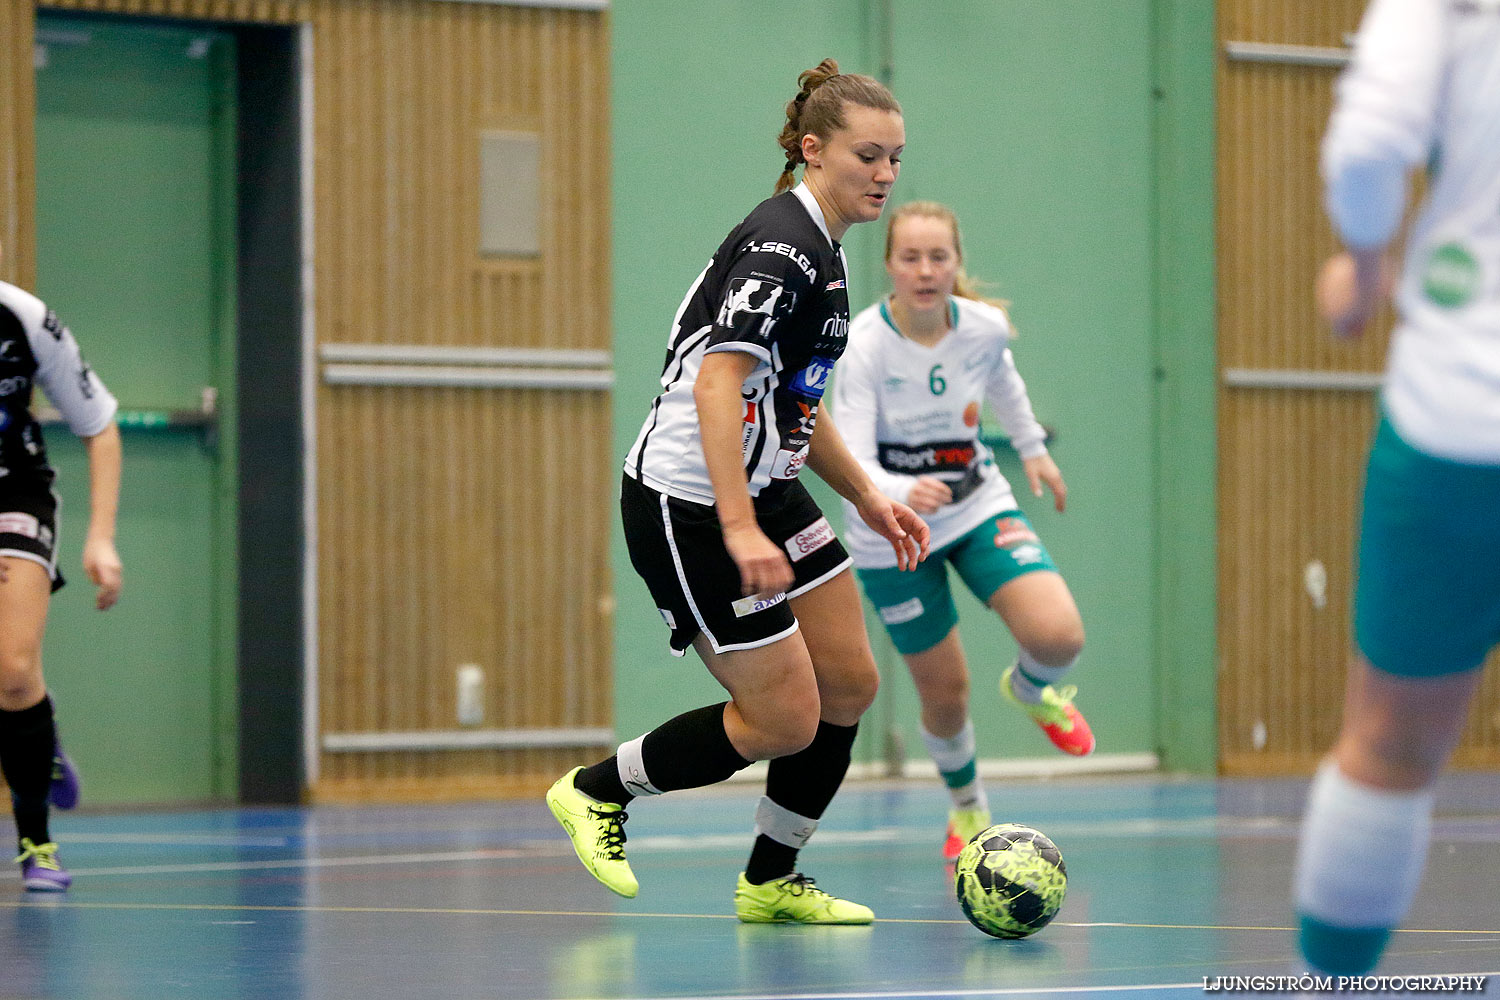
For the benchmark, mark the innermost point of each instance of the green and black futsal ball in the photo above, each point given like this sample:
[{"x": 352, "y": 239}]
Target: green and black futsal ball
[{"x": 1010, "y": 880}]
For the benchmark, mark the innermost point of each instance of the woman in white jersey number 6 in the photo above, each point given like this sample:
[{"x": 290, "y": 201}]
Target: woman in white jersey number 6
[
  {"x": 742, "y": 565},
  {"x": 920, "y": 365}
]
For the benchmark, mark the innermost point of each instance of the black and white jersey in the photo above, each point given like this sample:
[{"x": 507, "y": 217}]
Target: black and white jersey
[
  {"x": 775, "y": 289},
  {"x": 36, "y": 349}
]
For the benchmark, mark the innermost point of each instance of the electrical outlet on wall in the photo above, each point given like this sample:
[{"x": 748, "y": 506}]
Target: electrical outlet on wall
[{"x": 470, "y": 694}]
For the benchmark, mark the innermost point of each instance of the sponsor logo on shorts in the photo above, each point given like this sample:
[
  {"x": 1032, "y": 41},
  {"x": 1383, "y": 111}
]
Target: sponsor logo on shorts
[
  {"x": 1026, "y": 554},
  {"x": 1011, "y": 532},
  {"x": 810, "y": 539},
  {"x": 788, "y": 463},
  {"x": 906, "y": 611},
  {"x": 667, "y": 617},
  {"x": 750, "y": 605},
  {"x": 16, "y": 523}
]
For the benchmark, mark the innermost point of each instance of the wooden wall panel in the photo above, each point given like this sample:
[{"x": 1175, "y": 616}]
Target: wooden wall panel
[
  {"x": 504, "y": 496},
  {"x": 1291, "y": 461},
  {"x": 455, "y": 525},
  {"x": 17, "y": 143}
]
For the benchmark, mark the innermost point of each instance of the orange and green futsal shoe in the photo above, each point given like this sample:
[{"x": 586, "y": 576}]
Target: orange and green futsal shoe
[
  {"x": 1064, "y": 725},
  {"x": 597, "y": 830},
  {"x": 963, "y": 824}
]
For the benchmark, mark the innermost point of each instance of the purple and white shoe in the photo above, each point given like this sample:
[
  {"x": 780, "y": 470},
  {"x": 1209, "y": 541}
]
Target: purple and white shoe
[
  {"x": 41, "y": 871},
  {"x": 66, "y": 785}
]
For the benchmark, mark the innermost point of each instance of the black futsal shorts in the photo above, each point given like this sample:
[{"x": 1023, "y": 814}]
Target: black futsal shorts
[
  {"x": 28, "y": 526},
  {"x": 678, "y": 548}
]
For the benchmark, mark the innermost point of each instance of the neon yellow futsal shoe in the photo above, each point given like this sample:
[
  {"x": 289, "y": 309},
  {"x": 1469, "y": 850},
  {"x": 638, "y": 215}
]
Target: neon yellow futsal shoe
[
  {"x": 597, "y": 830},
  {"x": 794, "y": 900},
  {"x": 963, "y": 824},
  {"x": 1063, "y": 724}
]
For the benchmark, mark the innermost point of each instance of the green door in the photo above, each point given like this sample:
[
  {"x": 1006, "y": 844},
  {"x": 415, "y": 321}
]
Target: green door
[{"x": 135, "y": 252}]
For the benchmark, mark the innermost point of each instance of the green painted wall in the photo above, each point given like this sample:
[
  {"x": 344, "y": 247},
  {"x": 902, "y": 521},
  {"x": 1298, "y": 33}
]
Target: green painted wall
[
  {"x": 699, "y": 93},
  {"x": 135, "y": 237},
  {"x": 1042, "y": 125}
]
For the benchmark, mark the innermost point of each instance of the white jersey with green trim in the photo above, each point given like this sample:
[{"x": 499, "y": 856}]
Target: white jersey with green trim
[
  {"x": 906, "y": 410},
  {"x": 1424, "y": 85}
]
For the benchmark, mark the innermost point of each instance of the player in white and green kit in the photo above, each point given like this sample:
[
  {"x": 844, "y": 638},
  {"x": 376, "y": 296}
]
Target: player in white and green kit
[
  {"x": 1423, "y": 88},
  {"x": 920, "y": 366}
]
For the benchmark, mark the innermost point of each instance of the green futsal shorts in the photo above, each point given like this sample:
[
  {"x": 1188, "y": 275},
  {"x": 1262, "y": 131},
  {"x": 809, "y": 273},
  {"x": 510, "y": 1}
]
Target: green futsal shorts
[
  {"x": 917, "y": 607},
  {"x": 1427, "y": 601}
]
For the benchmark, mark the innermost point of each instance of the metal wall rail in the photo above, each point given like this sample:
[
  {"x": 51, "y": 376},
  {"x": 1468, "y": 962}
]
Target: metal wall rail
[
  {"x": 1292, "y": 378},
  {"x": 1286, "y": 55},
  {"x": 466, "y": 367},
  {"x": 468, "y": 739}
]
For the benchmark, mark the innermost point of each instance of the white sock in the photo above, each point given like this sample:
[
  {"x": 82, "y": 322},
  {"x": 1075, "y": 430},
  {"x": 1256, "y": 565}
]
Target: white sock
[
  {"x": 1362, "y": 851},
  {"x": 782, "y": 825},
  {"x": 1030, "y": 677},
  {"x": 955, "y": 760},
  {"x": 632, "y": 768}
]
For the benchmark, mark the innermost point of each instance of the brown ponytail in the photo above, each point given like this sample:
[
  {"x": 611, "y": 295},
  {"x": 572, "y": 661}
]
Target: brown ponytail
[{"x": 818, "y": 109}]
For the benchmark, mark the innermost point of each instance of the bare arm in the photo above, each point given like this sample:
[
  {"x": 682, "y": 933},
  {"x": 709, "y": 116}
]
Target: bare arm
[
  {"x": 764, "y": 568},
  {"x": 100, "y": 561},
  {"x": 836, "y": 465}
]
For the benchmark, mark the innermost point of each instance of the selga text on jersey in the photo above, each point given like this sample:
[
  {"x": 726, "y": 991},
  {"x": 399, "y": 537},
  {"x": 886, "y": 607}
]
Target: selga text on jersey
[
  {"x": 906, "y": 410},
  {"x": 36, "y": 349},
  {"x": 775, "y": 289}
]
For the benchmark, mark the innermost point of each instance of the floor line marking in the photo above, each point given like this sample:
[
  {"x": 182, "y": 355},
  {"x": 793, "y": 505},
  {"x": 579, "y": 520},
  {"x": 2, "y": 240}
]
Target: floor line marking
[
  {"x": 1008, "y": 991},
  {"x": 52, "y": 904},
  {"x": 935, "y": 994}
]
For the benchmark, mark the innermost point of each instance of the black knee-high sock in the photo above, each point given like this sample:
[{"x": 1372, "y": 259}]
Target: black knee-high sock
[
  {"x": 689, "y": 751},
  {"x": 804, "y": 783},
  {"x": 26, "y": 741}
]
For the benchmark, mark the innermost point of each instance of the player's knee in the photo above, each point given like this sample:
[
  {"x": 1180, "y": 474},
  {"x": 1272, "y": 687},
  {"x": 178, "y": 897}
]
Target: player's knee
[
  {"x": 20, "y": 679},
  {"x": 1056, "y": 644},
  {"x": 945, "y": 694},
  {"x": 1392, "y": 760},
  {"x": 847, "y": 699},
  {"x": 790, "y": 732}
]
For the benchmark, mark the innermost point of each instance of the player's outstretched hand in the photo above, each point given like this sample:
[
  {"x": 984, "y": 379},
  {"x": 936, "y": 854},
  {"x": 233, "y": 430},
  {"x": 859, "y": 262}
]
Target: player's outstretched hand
[
  {"x": 764, "y": 568},
  {"x": 102, "y": 564},
  {"x": 897, "y": 524},
  {"x": 1041, "y": 469}
]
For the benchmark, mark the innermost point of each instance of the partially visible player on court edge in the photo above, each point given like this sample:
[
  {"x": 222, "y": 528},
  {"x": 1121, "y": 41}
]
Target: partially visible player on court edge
[
  {"x": 36, "y": 349},
  {"x": 1424, "y": 85},
  {"x": 920, "y": 365},
  {"x": 741, "y": 563}
]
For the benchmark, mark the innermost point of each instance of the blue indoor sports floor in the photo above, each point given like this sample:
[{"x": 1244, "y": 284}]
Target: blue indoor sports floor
[{"x": 1170, "y": 881}]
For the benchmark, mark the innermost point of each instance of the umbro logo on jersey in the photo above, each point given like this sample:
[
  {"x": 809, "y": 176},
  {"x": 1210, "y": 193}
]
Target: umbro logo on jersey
[{"x": 803, "y": 262}]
